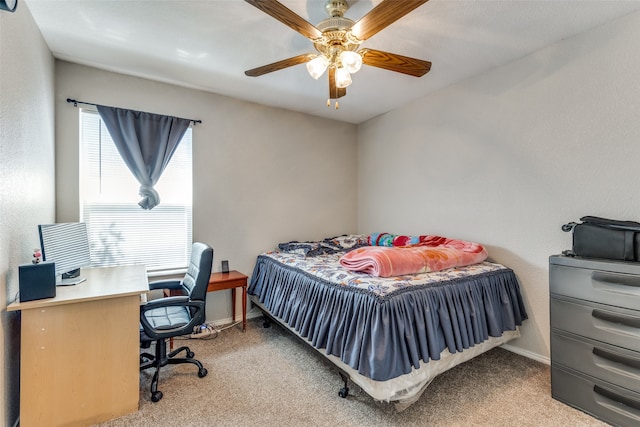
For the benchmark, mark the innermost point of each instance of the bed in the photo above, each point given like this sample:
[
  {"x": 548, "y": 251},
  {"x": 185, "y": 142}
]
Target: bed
[{"x": 390, "y": 335}]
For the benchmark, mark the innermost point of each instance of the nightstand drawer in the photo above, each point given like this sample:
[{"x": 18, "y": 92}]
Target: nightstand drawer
[
  {"x": 616, "y": 405},
  {"x": 612, "y": 364},
  {"x": 603, "y": 323},
  {"x": 607, "y": 287}
]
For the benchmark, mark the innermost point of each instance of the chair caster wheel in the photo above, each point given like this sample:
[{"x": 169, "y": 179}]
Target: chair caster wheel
[
  {"x": 344, "y": 392},
  {"x": 190, "y": 354},
  {"x": 202, "y": 372},
  {"x": 156, "y": 396}
]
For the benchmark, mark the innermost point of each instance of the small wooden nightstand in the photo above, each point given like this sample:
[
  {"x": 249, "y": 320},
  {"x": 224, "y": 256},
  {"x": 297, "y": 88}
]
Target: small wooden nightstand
[{"x": 231, "y": 280}]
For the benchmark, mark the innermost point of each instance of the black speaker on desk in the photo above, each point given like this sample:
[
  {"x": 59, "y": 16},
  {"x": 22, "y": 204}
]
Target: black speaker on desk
[{"x": 37, "y": 281}]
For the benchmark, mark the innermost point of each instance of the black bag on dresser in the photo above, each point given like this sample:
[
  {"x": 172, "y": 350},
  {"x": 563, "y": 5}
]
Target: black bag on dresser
[{"x": 605, "y": 238}]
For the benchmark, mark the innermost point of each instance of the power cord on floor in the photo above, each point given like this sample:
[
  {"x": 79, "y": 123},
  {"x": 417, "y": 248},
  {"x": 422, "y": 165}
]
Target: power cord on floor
[
  {"x": 205, "y": 331},
  {"x": 209, "y": 331},
  {"x": 231, "y": 325}
]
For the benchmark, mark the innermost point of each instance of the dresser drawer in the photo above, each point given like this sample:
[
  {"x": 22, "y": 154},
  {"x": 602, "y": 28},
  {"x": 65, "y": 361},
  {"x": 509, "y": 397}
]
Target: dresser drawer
[
  {"x": 603, "y": 323},
  {"x": 611, "y": 364},
  {"x": 607, "y": 287},
  {"x": 603, "y": 400}
]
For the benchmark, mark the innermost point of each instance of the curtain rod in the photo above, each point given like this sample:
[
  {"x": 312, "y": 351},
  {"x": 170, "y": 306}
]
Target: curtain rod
[{"x": 75, "y": 104}]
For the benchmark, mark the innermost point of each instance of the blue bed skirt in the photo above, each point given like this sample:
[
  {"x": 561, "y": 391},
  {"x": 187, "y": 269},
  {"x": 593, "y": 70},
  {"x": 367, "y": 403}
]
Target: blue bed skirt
[{"x": 383, "y": 337}]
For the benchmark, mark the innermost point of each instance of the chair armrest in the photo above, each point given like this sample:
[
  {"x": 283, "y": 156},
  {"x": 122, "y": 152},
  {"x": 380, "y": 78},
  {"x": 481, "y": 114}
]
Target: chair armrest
[
  {"x": 165, "y": 302},
  {"x": 165, "y": 284}
]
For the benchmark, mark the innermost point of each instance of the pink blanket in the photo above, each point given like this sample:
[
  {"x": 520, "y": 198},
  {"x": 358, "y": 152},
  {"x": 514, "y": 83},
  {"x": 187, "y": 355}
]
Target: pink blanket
[{"x": 438, "y": 253}]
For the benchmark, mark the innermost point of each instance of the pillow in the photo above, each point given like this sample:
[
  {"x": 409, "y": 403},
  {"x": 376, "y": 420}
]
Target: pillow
[
  {"x": 330, "y": 245},
  {"x": 349, "y": 241},
  {"x": 299, "y": 248},
  {"x": 386, "y": 239}
]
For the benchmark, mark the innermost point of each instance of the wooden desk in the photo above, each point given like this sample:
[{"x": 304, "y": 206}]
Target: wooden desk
[
  {"x": 231, "y": 280},
  {"x": 79, "y": 361}
]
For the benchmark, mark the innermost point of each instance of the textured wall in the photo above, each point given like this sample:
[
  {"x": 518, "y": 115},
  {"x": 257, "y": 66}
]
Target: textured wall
[
  {"x": 26, "y": 173},
  {"x": 507, "y": 157},
  {"x": 261, "y": 175}
]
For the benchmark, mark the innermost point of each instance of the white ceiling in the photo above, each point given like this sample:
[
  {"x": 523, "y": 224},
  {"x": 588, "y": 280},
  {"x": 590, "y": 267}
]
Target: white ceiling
[{"x": 208, "y": 44}]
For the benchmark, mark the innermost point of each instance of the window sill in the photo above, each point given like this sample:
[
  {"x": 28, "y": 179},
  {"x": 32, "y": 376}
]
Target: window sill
[{"x": 162, "y": 273}]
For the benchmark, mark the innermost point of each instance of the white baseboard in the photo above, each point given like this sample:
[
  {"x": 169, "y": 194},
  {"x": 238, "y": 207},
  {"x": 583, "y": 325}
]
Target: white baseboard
[
  {"x": 527, "y": 353},
  {"x": 226, "y": 321}
]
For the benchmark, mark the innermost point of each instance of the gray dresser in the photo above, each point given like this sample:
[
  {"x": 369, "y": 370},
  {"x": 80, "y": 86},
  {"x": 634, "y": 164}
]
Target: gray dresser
[{"x": 595, "y": 337}]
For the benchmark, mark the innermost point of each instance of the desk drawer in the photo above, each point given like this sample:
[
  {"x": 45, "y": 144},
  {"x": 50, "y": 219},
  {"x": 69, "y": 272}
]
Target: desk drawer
[
  {"x": 596, "y": 321},
  {"x": 603, "y": 400},
  {"x": 606, "y": 287},
  {"x": 612, "y": 364}
]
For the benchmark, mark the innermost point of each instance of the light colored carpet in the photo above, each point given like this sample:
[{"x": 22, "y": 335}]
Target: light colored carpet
[{"x": 266, "y": 377}]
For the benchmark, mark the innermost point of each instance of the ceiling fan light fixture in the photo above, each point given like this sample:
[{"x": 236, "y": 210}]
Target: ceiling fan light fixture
[
  {"x": 317, "y": 66},
  {"x": 343, "y": 78},
  {"x": 352, "y": 61}
]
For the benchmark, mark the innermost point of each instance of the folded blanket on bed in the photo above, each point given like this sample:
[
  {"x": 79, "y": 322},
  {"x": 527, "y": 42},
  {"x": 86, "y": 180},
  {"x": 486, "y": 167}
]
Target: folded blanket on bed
[{"x": 435, "y": 254}]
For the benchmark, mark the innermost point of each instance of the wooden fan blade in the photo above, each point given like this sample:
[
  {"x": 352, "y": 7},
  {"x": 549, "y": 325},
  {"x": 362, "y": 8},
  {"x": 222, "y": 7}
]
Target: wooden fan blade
[
  {"x": 384, "y": 14},
  {"x": 288, "y": 17},
  {"x": 335, "y": 92},
  {"x": 300, "y": 59},
  {"x": 395, "y": 62}
]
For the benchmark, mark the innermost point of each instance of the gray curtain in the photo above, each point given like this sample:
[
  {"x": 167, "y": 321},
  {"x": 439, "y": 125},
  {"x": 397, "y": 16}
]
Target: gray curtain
[{"x": 146, "y": 142}]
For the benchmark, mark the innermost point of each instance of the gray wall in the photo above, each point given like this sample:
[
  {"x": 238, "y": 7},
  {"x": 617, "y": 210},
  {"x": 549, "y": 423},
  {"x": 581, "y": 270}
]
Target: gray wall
[
  {"x": 507, "y": 157},
  {"x": 26, "y": 174},
  {"x": 261, "y": 175}
]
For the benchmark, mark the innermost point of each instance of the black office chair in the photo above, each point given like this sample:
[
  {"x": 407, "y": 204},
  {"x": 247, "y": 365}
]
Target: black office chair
[{"x": 164, "y": 318}]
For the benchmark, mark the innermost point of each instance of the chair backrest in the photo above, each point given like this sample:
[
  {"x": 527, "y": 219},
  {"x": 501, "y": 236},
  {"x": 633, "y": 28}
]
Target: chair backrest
[{"x": 196, "y": 280}]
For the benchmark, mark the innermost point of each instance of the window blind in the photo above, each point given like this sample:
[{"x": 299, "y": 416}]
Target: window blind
[{"x": 120, "y": 232}]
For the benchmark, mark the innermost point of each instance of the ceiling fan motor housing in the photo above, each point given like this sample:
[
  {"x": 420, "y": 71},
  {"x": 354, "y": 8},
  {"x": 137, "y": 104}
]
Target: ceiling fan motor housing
[{"x": 336, "y": 30}]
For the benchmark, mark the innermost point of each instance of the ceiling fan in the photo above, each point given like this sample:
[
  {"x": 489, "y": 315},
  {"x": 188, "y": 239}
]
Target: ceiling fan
[{"x": 337, "y": 40}]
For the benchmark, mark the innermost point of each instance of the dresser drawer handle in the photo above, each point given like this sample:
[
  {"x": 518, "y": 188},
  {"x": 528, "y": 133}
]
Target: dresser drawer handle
[
  {"x": 616, "y": 279},
  {"x": 622, "y": 319},
  {"x": 630, "y": 407},
  {"x": 632, "y": 362}
]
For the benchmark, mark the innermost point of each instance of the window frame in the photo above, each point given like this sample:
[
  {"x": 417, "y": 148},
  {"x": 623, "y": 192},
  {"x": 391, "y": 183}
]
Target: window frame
[{"x": 174, "y": 214}]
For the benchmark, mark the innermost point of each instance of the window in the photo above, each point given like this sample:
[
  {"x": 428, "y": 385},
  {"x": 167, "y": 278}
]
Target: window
[{"x": 120, "y": 232}]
